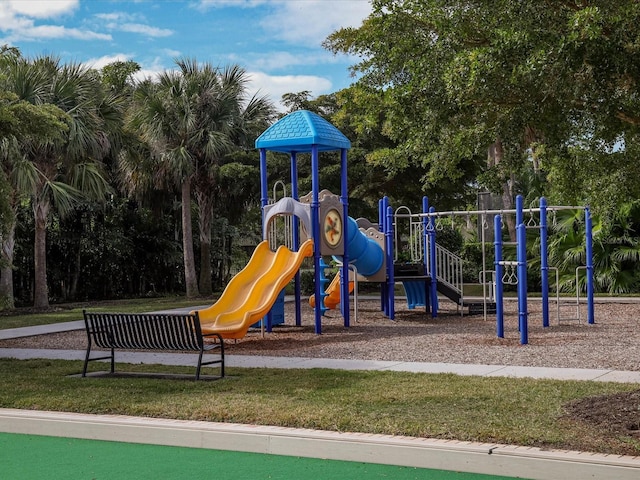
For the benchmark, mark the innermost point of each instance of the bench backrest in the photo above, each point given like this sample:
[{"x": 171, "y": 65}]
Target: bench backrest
[{"x": 144, "y": 330}]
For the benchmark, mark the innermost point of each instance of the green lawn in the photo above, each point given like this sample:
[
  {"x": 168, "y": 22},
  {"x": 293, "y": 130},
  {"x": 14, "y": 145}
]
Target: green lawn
[
  {"x": 71, "y": 312},
  {"x": 501, "y": 410}
]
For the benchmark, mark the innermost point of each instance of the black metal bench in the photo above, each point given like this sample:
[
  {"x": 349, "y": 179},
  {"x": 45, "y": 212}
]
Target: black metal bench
[{"x": 149, "y": 331}]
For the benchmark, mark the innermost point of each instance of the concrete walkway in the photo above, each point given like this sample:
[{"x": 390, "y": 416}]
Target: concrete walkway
[{"x": 248, "y": 361}]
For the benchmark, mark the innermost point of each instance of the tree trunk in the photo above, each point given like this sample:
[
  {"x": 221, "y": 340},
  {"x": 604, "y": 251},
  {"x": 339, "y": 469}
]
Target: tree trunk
[
  {"x": 495, "y": 156},
  {"x": 75, "y": 278},
  {"x": 190, "y": 278},
  {"x": 205, "y": 203},
  {"x": 7, "y": 300},
  {"x": 531, "y": 139},
  {"x": 41, "y": 213}
]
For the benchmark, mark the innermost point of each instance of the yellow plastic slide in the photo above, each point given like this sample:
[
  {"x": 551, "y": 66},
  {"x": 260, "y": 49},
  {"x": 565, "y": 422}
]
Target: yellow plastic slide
[
  {"x": 252, "y": 292},
  {"x": 333, "y": 293}
]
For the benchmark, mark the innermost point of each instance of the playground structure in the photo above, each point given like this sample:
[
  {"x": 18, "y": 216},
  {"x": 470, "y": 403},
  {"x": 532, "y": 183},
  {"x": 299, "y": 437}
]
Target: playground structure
[
  {"x": 318, "y": 225},
  {"x": 443, "y": 269},
  {"x": 253, "y": 292}
]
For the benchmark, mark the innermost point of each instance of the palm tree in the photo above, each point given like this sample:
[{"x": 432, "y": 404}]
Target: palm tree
[
  {"x": 231, "y": 120},
  {"x": 190, "y": 119},
  {"x": 22, "y": 123},
  {"x": 163, "y": 117},
  {"x": 56, "y": 174},
  {"x": 616, "y": 249}
]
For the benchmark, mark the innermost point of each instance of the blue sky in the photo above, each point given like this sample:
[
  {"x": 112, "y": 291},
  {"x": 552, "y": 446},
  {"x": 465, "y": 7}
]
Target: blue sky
[{"x": 277, "y": 41}]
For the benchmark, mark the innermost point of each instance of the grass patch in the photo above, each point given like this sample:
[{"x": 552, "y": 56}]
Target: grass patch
[
  {"x": 26, "y": 317},
  {"x": 500, "y": 410}
]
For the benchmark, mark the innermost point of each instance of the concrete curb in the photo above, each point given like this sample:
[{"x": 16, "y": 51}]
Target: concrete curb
[{"x": 485, "y": 458}]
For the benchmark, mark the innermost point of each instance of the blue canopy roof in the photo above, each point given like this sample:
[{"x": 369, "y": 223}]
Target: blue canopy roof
[{"x": 298, "y": 131}]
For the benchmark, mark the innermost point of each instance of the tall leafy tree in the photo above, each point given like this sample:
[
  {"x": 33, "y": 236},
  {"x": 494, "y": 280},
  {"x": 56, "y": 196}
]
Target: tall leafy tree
[
  {"x": 190, "y": 119},
  {"x": 519, "y": 83},
  {"x": 118, "y": 76},
  {"x": 162, "y": 115},
  {"x": 56, "y": 174},
  {"x": 230, "y": 120},
  {"x": 21, "y": 123}
]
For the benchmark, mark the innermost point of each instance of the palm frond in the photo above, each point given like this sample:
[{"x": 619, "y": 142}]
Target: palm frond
[
  {"x": 87, "y": 179},
  {"x": 63, "y": 196}
]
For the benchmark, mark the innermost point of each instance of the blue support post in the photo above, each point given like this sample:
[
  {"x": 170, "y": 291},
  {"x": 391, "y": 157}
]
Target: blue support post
[
  {"x": 315, "y": 227},
  {"x": 264, "y": 200},
  {"x": 521, "y": 235},
  {"x": 425, "y": 253},
  {"x": 391, "y": 281},
  {"x": 264, "y": 197},
  {"x": 497, "y": 229},
  {"x": 296, "y": 237},
  {"x": 519, "y": 210},
  {"x": 344, "y": 198},
  {"x": 382, "y": 226},
  {"x": 589, "y": 260},
  {"x": 544, "y": 262},
  {"x": 432, "y": 264}
]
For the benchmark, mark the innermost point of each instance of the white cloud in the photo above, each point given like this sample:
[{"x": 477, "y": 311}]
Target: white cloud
[
  {"x": 314, "y": 19},
  {"x": 275, "y": 86},
  {"x": 116, "y": 17},
  {"x": 125, "y": 22},
  {"x": 302, "y": 21},
  {"x": 147, "y": 30},
  {"x": 41, "y": 8},
  {"x": 206, "y": 4},
  {"x": 99, "y": 63},
  {"x": 171, "y": 52},
  {"x": 56, "y": 31},
  {"x": 16, "y": 18},
  {"x": 280, "y": 60}
]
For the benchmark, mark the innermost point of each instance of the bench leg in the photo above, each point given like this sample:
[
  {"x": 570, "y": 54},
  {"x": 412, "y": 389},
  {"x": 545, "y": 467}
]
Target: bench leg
[
  {"x": 199, "y": 365},
  {"x": 86, "y": 361},
  {"x": 221, "y": 361},
  {"x": 221, "y": 358}
]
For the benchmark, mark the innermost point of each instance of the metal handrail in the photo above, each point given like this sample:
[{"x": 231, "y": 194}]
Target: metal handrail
[{"x": 449, "y": 268}]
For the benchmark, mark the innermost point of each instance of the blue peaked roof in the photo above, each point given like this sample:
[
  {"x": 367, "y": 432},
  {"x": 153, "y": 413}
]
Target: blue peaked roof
[{"x": 298, "y": 131}]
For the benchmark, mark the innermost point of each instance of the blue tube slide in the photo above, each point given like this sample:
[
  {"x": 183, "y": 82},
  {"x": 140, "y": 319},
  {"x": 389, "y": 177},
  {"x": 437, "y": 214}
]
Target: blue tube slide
[{"x": 363, "y": 252}]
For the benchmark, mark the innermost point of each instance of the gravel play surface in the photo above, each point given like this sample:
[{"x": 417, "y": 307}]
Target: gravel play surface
[{"x": 613, "y": 342}]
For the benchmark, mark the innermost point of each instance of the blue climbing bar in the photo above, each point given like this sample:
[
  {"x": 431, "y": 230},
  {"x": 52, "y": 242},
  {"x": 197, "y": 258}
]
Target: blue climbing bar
[{"x": 497, "y": 229}]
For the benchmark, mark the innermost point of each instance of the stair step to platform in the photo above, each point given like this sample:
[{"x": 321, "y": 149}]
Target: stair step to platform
[{"x": 478, "y": 308}]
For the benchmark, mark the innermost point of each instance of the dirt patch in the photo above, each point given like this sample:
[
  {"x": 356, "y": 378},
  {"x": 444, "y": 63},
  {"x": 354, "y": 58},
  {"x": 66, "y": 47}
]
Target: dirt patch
[{"x": 614, "y": 415}]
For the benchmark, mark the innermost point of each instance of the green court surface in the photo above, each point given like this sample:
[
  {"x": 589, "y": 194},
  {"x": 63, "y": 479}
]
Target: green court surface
[{"x": 33, "y": 456}]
